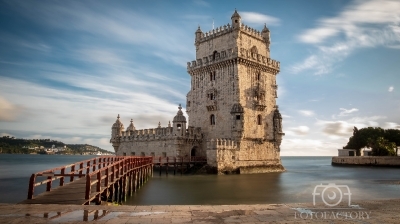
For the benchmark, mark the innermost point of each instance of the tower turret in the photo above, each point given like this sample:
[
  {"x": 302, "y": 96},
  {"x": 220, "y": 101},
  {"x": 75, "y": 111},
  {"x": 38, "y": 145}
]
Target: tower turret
[
  {"x": 278, "y": 127},
  {"x": 116, "y": 133},
  {"x": 236, "y": 20},
  {"x": 179, "y": 123},
  {"x": 266, "y": 36},
  {"x": 131, "y": 127},
  {"x": 198, "y": 34}
]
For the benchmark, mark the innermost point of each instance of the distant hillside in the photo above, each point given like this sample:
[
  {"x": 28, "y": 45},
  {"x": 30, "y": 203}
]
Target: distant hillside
[{"x": 46, "y": 146}]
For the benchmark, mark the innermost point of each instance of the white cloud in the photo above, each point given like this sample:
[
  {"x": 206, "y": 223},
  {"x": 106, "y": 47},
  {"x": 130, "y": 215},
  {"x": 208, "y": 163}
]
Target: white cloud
[
  {"x": 8, "y": 110},
  {"x": 64, "y": 111},
  {"x": 391, "y": 125},
  {"x": 258, "y": 18},
  {"x": 345, "y": 112},
  {"x": 309, "y": 147},
  {"x": 391, "y": 88},
  {"x": 307, "y": 113},
  {"x": 317, "y": 35},
  {"x": 6, "y": 134},
  {"x": 300, "y": 130},
  {"x": 344, "y": 128},
  {"x": 360, "y": 25},
  {"x": 336, "y": 128},
  {"x": 350, "y": 20}
]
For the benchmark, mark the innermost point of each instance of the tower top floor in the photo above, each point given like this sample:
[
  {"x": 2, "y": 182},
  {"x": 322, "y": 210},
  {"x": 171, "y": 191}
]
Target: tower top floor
[{"x": 231, "y": 41}]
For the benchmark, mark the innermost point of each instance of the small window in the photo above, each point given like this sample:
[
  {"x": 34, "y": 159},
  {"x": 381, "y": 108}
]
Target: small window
[
  {"x": 212, "y": 119},
  {"x": 211, "y": 76},
  {"x": 132, "y": 153},
  {"x": 259, "y": 119},
  {"x": 235, "y": 20},
  {"x": 164, "y": 154},
  {"x": 152, "y": 154},
  {"x": 179, "y": 126},
  {"x": 258, "y": 77},
  {"x": 215, "y": 55},
  {"x": 124, "y": 154},
  {"x": 142, "y": 154},
  {"x": 237, "y": 117}
]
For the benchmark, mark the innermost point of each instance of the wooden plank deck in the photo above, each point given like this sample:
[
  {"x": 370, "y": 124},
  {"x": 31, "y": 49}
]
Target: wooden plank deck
[{"x": 70, "y": 193}]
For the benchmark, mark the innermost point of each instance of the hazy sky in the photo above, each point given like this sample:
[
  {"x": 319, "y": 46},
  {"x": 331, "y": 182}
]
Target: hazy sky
[{"x": 67, "y": 68}]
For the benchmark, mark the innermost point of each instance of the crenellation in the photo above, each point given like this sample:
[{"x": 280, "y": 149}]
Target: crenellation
[{"x": 220, "y": 57}]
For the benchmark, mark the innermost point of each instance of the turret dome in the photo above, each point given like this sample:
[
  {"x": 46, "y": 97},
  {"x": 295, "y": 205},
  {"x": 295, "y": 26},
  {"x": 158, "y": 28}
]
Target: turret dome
[
  {"x": 199, "y": 30},
  {"x": 179, "y": 116},
  {"x": 235, "y": 14},
  {"x": 118, "y": 124},
  {"x": 265, "y": 29},
  {"x": 131, "y": 127}
]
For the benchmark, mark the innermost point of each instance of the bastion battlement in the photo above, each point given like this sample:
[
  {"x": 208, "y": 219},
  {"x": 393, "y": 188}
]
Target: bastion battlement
[{"x": 221, "y": 143}]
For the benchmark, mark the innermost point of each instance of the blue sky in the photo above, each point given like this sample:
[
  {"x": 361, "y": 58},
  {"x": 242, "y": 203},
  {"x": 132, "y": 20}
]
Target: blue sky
[{"x": 67, "y": 68}]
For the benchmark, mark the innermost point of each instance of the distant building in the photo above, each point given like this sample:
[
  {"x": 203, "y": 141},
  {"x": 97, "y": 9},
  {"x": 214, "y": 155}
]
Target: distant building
[
  {"x": 366, "y": 152},
  {"x": 233, "y": 120},
  {"x": 347, "y": 152}
]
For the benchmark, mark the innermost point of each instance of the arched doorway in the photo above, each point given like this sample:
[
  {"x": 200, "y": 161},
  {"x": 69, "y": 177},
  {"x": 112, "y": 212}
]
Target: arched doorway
[{"x": 193, "y": 151}]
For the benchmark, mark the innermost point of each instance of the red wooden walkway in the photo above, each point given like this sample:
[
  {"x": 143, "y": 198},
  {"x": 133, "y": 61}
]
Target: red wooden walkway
[{"x": 108, "y": 178}]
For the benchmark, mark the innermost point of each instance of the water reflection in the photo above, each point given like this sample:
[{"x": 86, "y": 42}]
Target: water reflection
[
  {"x": 296, "y": 185},
  {"x": 74, "y": 216},
  {"x": 87, "y": 215},
  {"x": 199, "y": 189}
]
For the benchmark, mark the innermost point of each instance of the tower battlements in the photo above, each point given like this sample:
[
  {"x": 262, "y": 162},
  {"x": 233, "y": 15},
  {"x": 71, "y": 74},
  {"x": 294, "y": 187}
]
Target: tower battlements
[
  {"x": 232, "y": 54},
  {"x": 225, "y": 29},
  {"x": 248, "y": 53},
  {"x": 221, "y": 143},
  {"x": 158, "y": 133}
]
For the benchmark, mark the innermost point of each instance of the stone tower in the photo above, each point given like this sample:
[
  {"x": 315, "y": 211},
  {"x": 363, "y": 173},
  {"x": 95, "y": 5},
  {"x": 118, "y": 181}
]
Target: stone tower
[{"x": 233, "y": 98}]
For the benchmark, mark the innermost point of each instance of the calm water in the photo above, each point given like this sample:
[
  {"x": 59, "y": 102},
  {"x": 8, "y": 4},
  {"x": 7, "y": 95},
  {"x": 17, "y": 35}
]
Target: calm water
[{"x": 295, "y": 185}]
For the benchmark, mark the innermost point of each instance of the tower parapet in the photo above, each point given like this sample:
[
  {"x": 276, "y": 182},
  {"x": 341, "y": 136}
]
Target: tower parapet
[{"x": 221, "y": 143}]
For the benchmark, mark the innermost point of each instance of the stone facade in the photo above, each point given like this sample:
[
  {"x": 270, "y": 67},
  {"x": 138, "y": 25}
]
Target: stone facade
[{"x": 233, "y": 117}]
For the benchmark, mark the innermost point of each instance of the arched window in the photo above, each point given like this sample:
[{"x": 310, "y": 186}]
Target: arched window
[
  {"x": 212, "y": 119},
  {"x": 259, "y": 119},
  {"x": 254, "y": 50},
  {"x": 258, "y": 77},
  {"x": 211, "y": 76}
]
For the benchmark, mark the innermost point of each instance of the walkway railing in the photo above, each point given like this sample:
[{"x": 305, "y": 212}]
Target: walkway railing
[
  {"x": 113, "y": 176},
  {"x": 121, "y": 178},
  {"x": 78, "y": 169}
]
